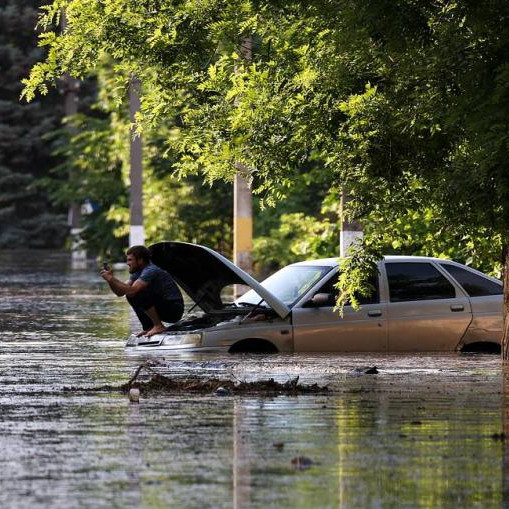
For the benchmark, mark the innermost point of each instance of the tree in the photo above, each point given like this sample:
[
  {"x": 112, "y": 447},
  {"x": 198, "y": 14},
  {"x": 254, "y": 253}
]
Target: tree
[
  {"x": 96, "y": 149},
  {"x": 26, "y": 217},
  {"x": 403, "y": 103}
]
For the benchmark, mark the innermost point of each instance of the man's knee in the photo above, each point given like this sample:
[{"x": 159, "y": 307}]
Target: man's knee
[{"x": 142, "y": 300}]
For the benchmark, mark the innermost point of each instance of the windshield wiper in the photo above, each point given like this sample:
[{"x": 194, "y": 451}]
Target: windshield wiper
[{"x": 252, "y": 312}]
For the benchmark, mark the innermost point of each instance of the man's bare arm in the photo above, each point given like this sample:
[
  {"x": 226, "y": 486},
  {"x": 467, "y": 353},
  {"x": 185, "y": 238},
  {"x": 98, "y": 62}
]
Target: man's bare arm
[{"x": 120, "y": 288}]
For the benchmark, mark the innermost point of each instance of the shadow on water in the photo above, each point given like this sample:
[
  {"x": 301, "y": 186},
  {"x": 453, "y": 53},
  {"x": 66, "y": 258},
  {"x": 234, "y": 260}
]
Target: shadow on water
[{"x": 426, "y": 431}]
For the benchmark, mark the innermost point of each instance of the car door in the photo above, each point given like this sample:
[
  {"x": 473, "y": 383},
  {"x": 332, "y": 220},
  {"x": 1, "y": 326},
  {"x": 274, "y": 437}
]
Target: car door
[
  {"x": 486, "y": 300},
  {"x": 321, "y": 329},
  {"x": 427, "y": 311}
]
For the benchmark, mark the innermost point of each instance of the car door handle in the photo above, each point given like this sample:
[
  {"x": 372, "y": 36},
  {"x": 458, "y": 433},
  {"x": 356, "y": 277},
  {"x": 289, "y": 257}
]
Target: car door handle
[
  {"x": 457, "y": 307},
  {"x": 375, "y": 312}
]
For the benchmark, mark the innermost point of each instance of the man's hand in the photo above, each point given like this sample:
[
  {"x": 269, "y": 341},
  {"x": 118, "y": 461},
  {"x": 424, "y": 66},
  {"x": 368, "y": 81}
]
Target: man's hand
[
  {"x": 107, "y": 275},
  {"x": 119, "y": 288}
]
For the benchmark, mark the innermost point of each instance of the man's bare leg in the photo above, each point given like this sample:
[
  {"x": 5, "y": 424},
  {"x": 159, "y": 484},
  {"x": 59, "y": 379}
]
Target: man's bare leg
[{"x": 158, "y": 325}]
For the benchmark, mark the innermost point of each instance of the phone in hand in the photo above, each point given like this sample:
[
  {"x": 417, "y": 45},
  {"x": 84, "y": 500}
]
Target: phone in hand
[{"x": 105, "y": 266}]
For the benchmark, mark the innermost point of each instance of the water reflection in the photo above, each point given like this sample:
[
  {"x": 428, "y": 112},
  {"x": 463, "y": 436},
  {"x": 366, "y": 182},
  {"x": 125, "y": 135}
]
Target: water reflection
[
  {"x": 241, "y": 457},
  {"x": 425, "y": 432},
  {"x": 430, "y": 449}
]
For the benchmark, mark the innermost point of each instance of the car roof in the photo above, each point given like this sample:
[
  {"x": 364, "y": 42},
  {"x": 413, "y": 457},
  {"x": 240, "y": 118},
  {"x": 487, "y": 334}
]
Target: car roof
[
  {"x": 333, "y": 262},
  {"x": 322, "y": 262}
]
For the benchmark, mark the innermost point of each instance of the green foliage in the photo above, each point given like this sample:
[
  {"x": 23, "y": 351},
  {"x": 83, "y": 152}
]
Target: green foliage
[
  {"x": 402, "y": 104},
  {"x": 356, "y": 271},
  {"x": 421, "y": 233},
  {"x": 299, "y": 237},
  {"x": 94, "y": 149},
  {"x": 91, "y": 173}
]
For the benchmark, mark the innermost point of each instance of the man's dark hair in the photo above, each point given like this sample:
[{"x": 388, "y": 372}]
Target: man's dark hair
[{"x": 139, "y": 252}]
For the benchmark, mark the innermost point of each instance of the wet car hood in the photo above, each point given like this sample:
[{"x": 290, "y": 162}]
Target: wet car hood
[{"x": 202, "y": 274}]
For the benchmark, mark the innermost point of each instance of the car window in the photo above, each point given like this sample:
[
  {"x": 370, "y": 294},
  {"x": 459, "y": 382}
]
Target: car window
[
  {"x": 417, "y": 281},
  {"x": 288, "y": 284},
  {"x": 474, "y": 284},
  {"x": 329, "y": 287}
]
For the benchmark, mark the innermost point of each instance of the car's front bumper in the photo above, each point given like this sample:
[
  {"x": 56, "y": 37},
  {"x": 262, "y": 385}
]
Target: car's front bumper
[{"x": 185, "y": 341}]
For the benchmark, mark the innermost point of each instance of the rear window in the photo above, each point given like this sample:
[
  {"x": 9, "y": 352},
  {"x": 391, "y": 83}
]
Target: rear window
[
  {"x": 474, "y": 284},
  {"x": 417, "y": 281}
]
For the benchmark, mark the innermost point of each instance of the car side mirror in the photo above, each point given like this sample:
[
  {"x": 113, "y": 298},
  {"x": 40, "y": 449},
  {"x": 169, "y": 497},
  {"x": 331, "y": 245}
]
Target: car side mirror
[{"x": 319, "y": 300}]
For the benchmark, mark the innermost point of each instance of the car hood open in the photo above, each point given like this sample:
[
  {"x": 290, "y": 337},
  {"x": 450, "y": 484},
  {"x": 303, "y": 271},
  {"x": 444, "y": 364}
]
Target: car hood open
[{"x": 202, "y": 274}]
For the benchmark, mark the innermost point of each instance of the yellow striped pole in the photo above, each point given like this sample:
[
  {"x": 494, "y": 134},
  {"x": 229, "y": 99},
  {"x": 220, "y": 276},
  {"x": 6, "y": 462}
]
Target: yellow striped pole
[{"x": 243, "y": 205}]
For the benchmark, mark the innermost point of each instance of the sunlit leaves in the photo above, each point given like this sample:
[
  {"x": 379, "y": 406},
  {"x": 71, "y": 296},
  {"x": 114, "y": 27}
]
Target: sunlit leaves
[{"x": 403, "y": 104}]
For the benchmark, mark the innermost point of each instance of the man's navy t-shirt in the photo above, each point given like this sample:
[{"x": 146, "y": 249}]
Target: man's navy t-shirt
[{"x": 160, "y": 283}]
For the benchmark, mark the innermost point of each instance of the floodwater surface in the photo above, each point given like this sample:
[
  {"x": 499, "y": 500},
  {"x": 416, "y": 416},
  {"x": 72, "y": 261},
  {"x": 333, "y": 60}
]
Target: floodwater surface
[{"x": 426, "y": 431}]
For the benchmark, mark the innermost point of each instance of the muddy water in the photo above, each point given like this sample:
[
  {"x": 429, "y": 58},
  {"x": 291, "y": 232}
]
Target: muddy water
[{"x": 421, "y": 433}]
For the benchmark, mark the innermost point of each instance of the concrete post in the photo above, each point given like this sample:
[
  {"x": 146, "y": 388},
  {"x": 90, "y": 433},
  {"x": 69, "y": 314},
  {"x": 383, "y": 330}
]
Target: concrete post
[
  {"x": 350, "y": 231},
  {"x": 242, "y": 221},
  {"x": 136, "y": 231},
  {"x": 243, "y": 205}
]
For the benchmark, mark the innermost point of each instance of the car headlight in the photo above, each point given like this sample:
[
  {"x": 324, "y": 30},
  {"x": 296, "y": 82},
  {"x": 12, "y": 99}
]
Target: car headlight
[{"x": 193, "y": 339}]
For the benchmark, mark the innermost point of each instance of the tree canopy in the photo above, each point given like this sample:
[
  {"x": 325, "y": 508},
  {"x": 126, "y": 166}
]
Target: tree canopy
[{"x": 403, "y": 103}]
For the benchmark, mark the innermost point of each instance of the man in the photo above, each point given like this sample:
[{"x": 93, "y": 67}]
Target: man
[{"x": 150, "y": 291}]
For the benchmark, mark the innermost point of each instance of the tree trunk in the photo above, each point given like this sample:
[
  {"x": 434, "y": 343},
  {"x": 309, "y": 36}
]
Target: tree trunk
[
  {"x": 505, "y": 337},
  {"x": 505, "y": 453},
  {"x": 505, "y": 378}
]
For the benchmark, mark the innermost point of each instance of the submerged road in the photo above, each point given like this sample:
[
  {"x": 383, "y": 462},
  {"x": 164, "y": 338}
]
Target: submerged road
[{"x": 426, "y": 431}]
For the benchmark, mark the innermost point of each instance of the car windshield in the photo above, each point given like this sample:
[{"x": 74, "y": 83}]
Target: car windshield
[{"x": 288, "y": 284}]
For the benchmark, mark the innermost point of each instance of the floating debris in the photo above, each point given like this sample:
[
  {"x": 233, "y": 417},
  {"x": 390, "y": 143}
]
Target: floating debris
[
  {"x": 222, "y": 391},
  {"x": 366, "y": 370},
  {"x": 161, "y": 383},
  {"x": 134, "y": 395},
  {"x": 302, "y": 462}
]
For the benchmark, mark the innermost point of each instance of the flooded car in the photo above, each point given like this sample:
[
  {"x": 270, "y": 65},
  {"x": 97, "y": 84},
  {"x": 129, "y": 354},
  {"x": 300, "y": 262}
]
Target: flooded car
[{"x": 418, "y": 304}]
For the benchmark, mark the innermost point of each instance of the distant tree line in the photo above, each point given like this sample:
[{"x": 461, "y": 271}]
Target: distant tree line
[{"x": 27, "y": 217}]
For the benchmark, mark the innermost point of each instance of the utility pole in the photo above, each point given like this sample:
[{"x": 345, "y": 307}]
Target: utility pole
[
  {"x": 71, "y": 88},
  {"x": 242, "y": 220},
  {"x": 136, "y": 230},
  {"x": 243, "y": 204},
  {"x": 350, "y": 230}
]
